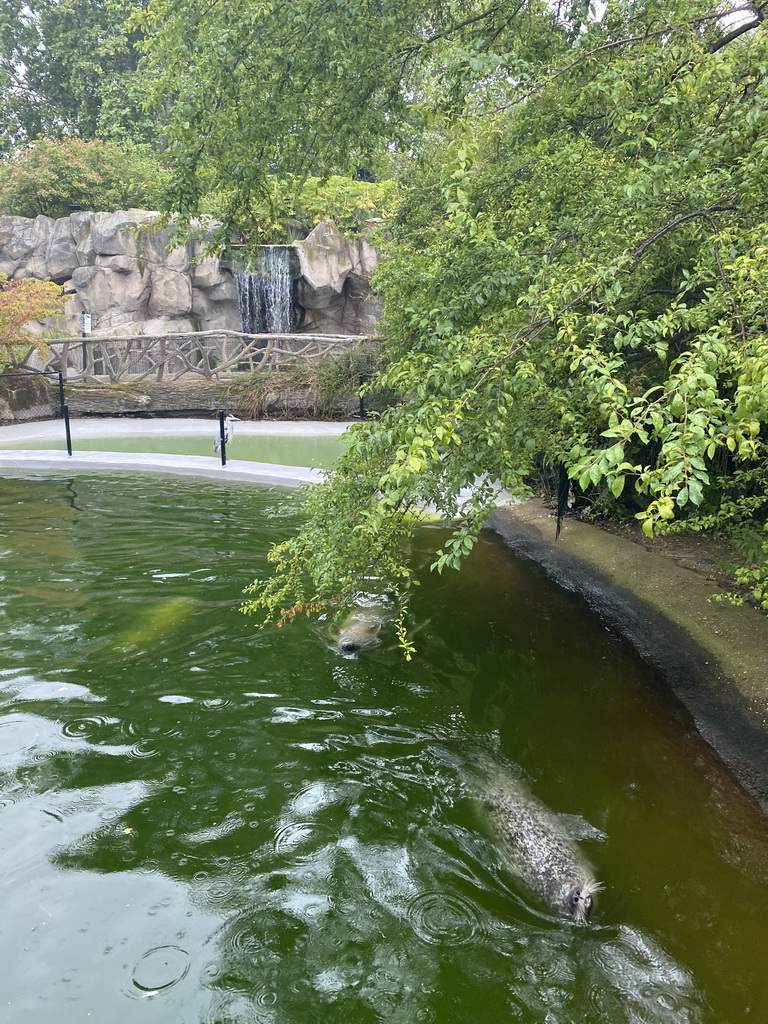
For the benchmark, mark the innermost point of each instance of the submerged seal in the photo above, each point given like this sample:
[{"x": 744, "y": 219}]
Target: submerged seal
[
  {"x": 547, "y": 860},
  {"x": 360, "y": 629}
]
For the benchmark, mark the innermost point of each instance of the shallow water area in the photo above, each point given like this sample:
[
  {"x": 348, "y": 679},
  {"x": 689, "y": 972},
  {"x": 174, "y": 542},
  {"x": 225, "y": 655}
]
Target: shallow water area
[
  {"x": 311, "y": 444},
  {"x": 201, "y": 820}
]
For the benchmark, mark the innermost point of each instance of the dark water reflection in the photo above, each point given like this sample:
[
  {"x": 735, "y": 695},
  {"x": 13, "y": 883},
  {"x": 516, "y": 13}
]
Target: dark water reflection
[{"x": 206, "y": 822}]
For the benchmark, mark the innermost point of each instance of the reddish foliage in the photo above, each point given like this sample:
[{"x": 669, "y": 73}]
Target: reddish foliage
[{"x": 22, "y": 301}]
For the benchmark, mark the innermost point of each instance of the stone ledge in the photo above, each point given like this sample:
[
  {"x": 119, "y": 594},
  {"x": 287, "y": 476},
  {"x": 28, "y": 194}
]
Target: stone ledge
[{"x": 174, "y": 398}]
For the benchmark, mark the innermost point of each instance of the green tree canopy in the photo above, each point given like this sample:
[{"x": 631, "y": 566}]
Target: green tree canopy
[
  {"x": 70, "y": 68},
  {"x": 259, "y": 91}
]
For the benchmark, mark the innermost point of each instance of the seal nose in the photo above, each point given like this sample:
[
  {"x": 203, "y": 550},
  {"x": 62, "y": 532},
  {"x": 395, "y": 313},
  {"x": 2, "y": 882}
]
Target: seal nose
[{"x": 582, "y": 905}]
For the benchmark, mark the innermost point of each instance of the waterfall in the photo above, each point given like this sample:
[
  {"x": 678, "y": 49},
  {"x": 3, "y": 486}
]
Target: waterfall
[{"x": 264, "y": 292}]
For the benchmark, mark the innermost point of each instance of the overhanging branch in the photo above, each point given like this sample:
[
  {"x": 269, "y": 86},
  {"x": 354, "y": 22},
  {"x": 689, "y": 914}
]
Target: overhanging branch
[{"x": 757, "y": 11}]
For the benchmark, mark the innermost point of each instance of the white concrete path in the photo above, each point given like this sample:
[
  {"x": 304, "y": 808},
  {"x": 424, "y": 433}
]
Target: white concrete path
[
  {"x": 190, "y": 465},
  {"x": 124, "y": 427}
]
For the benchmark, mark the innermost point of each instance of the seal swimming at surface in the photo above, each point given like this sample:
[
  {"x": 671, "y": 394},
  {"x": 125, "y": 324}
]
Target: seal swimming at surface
[
  {"x": 360, "y": 629},
  {"x": 547, "y": 860}
]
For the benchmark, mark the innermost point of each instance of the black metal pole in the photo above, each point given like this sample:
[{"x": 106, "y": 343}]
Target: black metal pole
[
  {"x": 65, "y": 412},
  {"x": 361, "y": 381},
  {"x": 223, "y": 439}
]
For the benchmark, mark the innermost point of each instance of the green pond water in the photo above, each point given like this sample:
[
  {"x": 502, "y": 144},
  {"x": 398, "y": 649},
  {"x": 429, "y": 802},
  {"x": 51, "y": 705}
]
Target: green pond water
[
  {"x": 294, "y": 450},
  {"x": 203, "y": 821}
]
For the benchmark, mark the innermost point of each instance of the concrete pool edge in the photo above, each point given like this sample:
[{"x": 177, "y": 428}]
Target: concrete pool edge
[{"x": 710, "y": 654}]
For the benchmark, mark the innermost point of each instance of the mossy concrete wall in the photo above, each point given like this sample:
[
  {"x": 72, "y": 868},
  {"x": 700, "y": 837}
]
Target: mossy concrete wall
[{"x": 25, "y": 397}]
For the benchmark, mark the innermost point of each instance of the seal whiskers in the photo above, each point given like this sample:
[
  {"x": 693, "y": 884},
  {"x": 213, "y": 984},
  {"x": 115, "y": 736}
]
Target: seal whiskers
[{"x": 581, "y": 899}]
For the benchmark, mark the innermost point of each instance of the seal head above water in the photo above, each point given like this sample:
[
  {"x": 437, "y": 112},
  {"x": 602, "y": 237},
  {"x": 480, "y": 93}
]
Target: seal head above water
[{"x": 359, "y": 630}]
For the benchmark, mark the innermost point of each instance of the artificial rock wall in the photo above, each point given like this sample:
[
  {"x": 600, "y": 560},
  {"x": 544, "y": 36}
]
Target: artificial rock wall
[{"x": 131, "y": 279}]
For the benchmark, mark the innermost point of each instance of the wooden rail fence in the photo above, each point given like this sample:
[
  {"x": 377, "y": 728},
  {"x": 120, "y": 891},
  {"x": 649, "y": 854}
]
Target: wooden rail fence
[{"x": 204, "y": 354}]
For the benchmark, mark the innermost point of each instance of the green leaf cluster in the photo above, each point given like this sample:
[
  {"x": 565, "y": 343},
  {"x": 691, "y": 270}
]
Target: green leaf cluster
[
  {"x": 289, "y": 207},
  {"x": 301, "y": 89}
]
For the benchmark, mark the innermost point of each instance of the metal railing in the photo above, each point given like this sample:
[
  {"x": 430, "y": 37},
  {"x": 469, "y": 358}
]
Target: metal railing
[
  {"x": 63, "y": 407},
  {"x": 206, "y": 355}
]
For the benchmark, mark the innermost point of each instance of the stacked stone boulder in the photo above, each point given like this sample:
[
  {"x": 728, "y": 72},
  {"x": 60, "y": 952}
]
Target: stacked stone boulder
[
  {"x": 127, "y": 273},
  {"x": 334, "y": 290}
]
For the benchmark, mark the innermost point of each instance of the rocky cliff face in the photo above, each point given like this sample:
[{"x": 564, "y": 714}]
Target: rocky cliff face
[
  {"x": 131, "y": 279},
  {"x": 334, "y": 294}
]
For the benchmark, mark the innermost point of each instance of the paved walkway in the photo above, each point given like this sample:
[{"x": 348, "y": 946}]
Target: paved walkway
[
  {"x": 116, "y": 426},
  {"x": 186, "y": 465}
]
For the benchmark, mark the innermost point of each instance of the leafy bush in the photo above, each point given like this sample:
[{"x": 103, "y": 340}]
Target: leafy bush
[
  {"x": 348, "y": 202},
  {"x": 331, "y": 381},
  {"x": 47, "y": 177},
  {"x": 250, "y": 389},
  {"x": 20, "y": 302},
  {"x": 349, "y": 372},
  {"x": 291, "y": 206}
]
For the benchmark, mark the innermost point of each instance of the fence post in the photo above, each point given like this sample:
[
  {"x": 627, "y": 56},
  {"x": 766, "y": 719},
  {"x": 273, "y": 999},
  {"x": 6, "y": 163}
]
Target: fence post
[
  {"x": 223, "y": 438},
  {"x": 363, "y": 378},
  {"x": 65, "y": 413}
]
